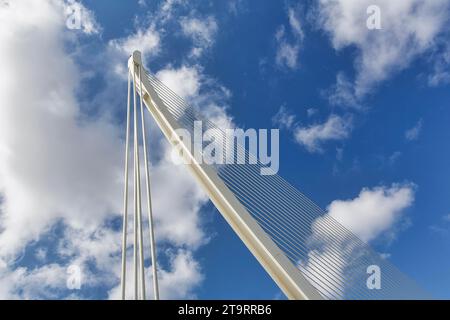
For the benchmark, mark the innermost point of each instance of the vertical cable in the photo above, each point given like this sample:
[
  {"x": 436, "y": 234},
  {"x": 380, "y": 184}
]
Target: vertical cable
[
  {"x": 149, "y": 199},
  {"x": 135, "y": 146},
  {"x": 125, "y": 199},
  {"x": 139, "y": 206}
]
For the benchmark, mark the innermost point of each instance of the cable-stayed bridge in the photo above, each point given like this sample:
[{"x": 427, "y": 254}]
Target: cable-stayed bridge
[{"x": 308, "y": 253}]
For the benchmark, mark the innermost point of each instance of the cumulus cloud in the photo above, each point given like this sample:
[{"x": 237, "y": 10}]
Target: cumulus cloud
[
  {"x": 177, "y": 222},
  {"x": 41, "y": 283},
  {"x": 179, "y": 281},
  {"x": 372, "y": 213},
  {"x": 183, "y": 276},
  {"x": 185, "y": 81},
  {"x": 62, "y": 168},
  {"x": 409, "y": 28},
  {"x": 314, "y": 136},
  {"x": 200, "y": 91},
  {"x": 49, "y": 152},
  {"x": 178, "y": 278},
  {"x": 53, "y": 159},
  {"x": 288, "y": 50}
]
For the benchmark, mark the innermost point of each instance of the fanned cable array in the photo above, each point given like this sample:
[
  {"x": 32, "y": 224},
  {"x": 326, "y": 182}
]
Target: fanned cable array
[{"x": 335, "y": 261}]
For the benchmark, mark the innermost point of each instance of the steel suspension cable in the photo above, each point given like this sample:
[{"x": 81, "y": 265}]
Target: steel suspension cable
[
  {"x": 125, "y": 199},
  {"x": 139, "y": 203},
  {"x": 149, "y": 199},
  {"x": 136, "y": 177}
]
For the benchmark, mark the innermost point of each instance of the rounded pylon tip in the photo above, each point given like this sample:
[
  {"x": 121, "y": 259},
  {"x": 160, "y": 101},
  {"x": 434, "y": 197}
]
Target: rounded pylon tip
[{"x": 137, "y": 57}]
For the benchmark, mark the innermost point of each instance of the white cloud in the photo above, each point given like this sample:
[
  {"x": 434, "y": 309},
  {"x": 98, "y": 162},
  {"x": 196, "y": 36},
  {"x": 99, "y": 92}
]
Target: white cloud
[
  {"x": 40, "y": 283},
  {"x": 288, "y": 51},
  {"x": 167, "y": 8},
  {"x": 78, "y": 15},
  {"x": 295, "y": 24},
  {"x": 201, "y": 91},
  {"x": 184, "y": 81},
  {"x": 393, "y": 158},
  {"x": 409, "y": 28},
  {"x": 311, "y": 112},
  {"x": 177, "y": 222},
  {"x": 374, "y": 211},
  {"x": 283, "y": 118},
  {"x": 41, "y": 254},
  {"x": 287, "y": 55},
  {"x": 343, "y": 93},
  {"x": 202, "y": 31},
  {"x": 312, "y": 137},
  {"x": 50, "y": 154},
  {"x": 145, "y": 40},
  {"x": 443, "y": 227},
  {"x": 142, "y": 3},
  {"x": 236, "y": 7},
  {"x": 441, "y": 67},
  {"x": 185, "y": 275},
  {"x": 61, "y": 167},
  {"x": 413, "y": 133},
  {"x": 177, "y": 282}
]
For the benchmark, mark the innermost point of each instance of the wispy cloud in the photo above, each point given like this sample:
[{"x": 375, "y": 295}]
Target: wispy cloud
[
  {"x": 442, "y": 227},
  {"x": 288, "y": 50},
  {"x": 75, "y": 10},
  {"x": 314, "y": 136},
  {"x": 145, "y": 40},
  {"x": 441, "y": 66},
  {"x": 284, "y": 118},
  {"x": 380, "y": 53},
  {"x": 202, "y": 31},
  {"x": 333, "y": 129},
  {"x": 414, "y": 133}
]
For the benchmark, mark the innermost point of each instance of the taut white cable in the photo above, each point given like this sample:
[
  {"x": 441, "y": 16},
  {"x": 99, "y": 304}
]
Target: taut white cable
[
  {"x": 149, "y": 198},
  {"x": 125, "y": 199},
  {"x": 135, "y": 71},
  {"x": 136, "y": 177},
  {"x": 138, "y": 236}
]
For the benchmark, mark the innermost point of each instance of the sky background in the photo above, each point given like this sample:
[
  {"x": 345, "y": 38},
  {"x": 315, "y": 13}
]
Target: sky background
[{"x": 364, "y": 121}]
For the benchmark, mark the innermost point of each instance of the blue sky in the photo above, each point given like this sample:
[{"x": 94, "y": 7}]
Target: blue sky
[{"x": 387, "y": 91}]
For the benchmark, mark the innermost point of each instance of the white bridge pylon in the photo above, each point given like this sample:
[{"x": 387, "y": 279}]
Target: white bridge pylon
[
  {"x": 286, "y": 275},
  {"x": 134, "y": 75}
]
